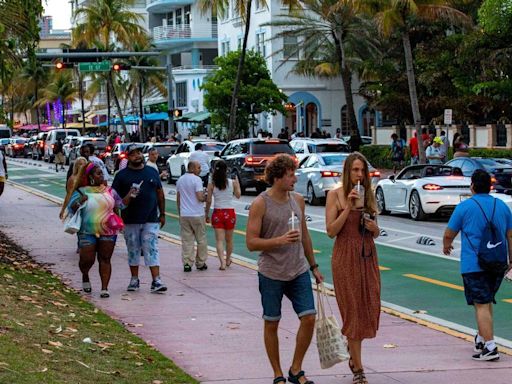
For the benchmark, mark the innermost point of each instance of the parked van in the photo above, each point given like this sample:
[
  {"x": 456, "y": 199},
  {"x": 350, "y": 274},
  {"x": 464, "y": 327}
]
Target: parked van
[
  {"x": 5, "y": 132},
  {"x": 52, "y": 138}
]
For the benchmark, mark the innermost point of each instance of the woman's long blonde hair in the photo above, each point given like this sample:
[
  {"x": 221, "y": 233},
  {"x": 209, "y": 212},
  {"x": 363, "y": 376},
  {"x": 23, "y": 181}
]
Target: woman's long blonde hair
[
  {"x": 370, "y": 204},
  {"x": 78, "y": 177}
]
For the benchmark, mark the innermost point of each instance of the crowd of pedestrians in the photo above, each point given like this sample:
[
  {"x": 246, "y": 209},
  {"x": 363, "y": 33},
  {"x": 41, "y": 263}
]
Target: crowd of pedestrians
[{"x": 276, "y": 228}]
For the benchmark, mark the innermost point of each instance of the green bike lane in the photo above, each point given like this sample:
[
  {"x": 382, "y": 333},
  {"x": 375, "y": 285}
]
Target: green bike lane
[{"x": 413, "y": 280}]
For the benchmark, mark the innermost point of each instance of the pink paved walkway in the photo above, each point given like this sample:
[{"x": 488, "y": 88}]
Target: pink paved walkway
[{"x": 209, "y": 322}]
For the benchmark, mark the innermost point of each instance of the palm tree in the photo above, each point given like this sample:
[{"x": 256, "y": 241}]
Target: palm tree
[
  {"x": 397, "y": 16},
  {"x": 335, "y": 38},
  {"x": 103, "y": 22},
  {"x": 60, "y": 88},
  {"x": 243, "y": 9},
  {"x": 36, "y": 77}
]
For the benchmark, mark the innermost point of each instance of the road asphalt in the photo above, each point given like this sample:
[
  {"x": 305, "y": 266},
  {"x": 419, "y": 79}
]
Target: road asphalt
[{"x": 209, "y": 322}]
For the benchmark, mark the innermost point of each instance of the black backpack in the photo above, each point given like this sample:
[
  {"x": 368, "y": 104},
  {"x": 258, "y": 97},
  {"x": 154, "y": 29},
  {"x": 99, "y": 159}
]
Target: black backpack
[{"x": 493, "y": 251}]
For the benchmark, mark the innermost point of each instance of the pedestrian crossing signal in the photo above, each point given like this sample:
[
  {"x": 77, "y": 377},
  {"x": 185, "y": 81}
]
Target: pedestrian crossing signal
[{"x": 175, "y": 112}]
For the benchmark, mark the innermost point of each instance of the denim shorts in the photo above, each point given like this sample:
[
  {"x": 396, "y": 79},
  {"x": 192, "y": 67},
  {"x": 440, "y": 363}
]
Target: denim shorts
[
  {"x": 86, "y": 240},
  {"x": 481, "y": 287},
  {"x": 142, "y": 238},
  {"x": 298, "y": 290}
]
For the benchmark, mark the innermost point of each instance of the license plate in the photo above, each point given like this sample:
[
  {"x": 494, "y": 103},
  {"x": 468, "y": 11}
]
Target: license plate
[{"x": 465, "y": 197}]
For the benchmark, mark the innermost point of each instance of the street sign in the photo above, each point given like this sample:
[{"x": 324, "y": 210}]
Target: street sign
[
  {"x": 448, "y": 113},
  {"x": 102, "y": 66}
]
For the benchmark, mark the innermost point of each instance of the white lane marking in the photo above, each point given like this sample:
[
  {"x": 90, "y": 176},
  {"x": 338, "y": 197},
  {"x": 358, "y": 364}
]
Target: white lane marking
[{"x": 400, "y": 238}]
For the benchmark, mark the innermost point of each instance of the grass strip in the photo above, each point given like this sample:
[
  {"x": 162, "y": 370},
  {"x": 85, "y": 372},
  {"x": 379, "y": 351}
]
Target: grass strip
[{"x": 50, "y": 334}]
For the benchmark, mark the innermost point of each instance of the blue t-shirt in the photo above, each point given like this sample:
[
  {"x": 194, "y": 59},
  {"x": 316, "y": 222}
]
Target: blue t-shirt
[
  {"x": 469, "y": 219},
  {"x": 143, "y": 208}
]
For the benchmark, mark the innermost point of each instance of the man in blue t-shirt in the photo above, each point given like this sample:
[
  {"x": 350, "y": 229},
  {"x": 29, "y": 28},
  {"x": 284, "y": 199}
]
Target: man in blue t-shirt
[
  {"x": 480, "y": 286},
  {"x": 143, "y": 218}
]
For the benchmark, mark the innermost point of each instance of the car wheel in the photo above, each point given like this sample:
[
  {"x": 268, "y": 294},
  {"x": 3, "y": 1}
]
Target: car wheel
[
  {"x": 183, "y": 170},
  {"x": 381, "y": 204},
  {"x": 169, "y": 176},
  {"x": 311, "y": 197},
  {"x": 260, "y": 188},
  {"x": 415, "y": 208},
  {"x": 242, "y": 187},
  {"x": 67, "y": 162}
]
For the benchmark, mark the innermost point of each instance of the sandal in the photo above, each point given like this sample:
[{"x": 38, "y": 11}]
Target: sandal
[
  {"x": 295, "y": 378},
  {"x": 104, "y": 294},
  {"x": 351, "y": 365},
  {"x": 86, "y": 286},
  {"x": 359, "y": 377},
  {"x": 279, "y": 379}
]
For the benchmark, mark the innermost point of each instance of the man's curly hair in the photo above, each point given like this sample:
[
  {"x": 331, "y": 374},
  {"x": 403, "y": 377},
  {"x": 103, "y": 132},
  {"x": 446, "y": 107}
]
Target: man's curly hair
[{"x": 278, "y": 167}]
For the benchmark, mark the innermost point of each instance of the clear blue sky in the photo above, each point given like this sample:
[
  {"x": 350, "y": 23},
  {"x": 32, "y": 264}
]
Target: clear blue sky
[{"x": 61, "y": 12}]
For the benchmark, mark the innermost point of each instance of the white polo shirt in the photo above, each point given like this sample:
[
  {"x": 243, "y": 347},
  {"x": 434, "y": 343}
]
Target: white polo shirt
[{"x": 187, "y": 186}]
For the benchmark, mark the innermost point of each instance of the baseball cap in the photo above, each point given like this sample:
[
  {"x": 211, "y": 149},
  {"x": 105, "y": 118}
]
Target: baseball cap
[
  {"x": 133, "y": 147},
  {"x": 438, "y": 140}
]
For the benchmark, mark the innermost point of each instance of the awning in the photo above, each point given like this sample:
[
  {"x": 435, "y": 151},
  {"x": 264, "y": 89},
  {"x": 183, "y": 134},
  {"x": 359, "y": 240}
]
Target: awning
[
  {"x": 155, "y": 116},
  {"x": 194, "y": 117},
  {"x": 80, "y": 125}
]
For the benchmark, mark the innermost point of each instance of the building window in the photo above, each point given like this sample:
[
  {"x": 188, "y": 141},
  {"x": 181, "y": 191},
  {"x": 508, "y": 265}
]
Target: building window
[
  {"x": 179, "y": 20},
  {"x": 224, "y": 48},
  {"x": 260, "y": 44},
  {"x": 240, "y": 42},
  {"x": 290, "y": 50},
  {"x": 170, "y": 19},
  {"x": 181, "y": 94},
  {"x": 187, "y": 14},
  {"x": 258, "y": 5}
]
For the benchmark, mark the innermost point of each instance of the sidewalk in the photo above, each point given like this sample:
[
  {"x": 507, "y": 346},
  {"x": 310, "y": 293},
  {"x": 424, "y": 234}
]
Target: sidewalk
[{"x": 209, "y": 323}]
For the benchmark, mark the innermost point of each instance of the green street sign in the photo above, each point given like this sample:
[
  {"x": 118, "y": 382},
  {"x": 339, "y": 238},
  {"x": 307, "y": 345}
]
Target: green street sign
[{"x": 103, "y": 66}]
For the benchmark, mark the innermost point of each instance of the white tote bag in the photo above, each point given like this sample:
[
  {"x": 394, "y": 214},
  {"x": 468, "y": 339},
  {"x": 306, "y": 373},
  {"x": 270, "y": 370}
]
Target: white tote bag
[
  {"x": 73, "y": 223},
  {"x": 331, "y": 344}
]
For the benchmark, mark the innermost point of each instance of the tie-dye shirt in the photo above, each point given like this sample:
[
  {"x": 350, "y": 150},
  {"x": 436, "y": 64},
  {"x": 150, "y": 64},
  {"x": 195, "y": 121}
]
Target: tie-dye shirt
[{"x": 100, "y": 204}]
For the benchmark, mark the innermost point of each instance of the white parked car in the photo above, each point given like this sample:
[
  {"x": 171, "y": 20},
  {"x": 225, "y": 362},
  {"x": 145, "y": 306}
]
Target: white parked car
[
  {"x": 178, "y": 162},
  {"x": 69, "y": 144},
  {"x": 422, "y": 190},
  {"x": 305, "y": 147},
  {"x": 52, "y": 138}
]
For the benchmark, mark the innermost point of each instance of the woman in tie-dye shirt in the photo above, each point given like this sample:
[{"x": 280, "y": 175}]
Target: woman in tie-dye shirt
[{"x": 100, "y": 225}]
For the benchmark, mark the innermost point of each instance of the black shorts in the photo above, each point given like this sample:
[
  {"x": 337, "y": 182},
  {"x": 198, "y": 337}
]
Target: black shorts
[{"x": 481, "y": 287}]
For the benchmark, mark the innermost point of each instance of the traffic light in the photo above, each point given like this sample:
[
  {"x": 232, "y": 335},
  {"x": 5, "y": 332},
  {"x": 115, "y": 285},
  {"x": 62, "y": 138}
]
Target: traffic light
[
  {"x": 60, "y": 65},
  {"x": 120, "y": 67}
]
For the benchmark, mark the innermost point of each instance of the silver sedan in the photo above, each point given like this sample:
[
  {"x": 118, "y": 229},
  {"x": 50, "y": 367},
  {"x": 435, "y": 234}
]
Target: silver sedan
[{"x": 319, "y": 173}]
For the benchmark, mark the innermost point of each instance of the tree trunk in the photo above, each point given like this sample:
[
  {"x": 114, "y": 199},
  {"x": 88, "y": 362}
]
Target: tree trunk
[
  {"x": 346, "y": 78},
  {"x": 232, "y": 131},
  {"x": 116, "y": 101},
  {"x": 141, "y": 114},
  {"x": 411, "y": 80},
  {"x": 63, "y": 115},
  {"x": 38, "y": 115}
]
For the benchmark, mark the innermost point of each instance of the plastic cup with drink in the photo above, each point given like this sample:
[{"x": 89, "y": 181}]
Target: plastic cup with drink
[
  {"x": 293, "y": 223},
  {"x": 136, "y": 189},
  {"x": 359, "y": 203}
]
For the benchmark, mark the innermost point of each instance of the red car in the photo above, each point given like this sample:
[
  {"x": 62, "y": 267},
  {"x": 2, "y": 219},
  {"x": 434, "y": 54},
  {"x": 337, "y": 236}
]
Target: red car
[{"x": 16, "y": 147}]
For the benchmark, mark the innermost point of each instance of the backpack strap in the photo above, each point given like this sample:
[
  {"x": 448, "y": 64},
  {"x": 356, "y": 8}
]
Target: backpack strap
[{"x": 486, "y": 219}]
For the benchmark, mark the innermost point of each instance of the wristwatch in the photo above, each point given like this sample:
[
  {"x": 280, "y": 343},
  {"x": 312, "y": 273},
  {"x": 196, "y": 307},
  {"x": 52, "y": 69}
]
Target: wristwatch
[{"x": 313, "y": 267}]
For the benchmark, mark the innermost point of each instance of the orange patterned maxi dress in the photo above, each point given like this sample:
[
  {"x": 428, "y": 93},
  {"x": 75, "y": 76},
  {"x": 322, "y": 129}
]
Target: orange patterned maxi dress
[{"x": 356, "y": 280}]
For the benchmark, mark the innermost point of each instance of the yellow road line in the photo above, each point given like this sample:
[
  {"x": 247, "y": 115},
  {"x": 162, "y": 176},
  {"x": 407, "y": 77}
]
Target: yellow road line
[
  {"x": 384, "y": 268},
  {"x": 507, "y": 301},
  {"x": 434, "y": 281}
]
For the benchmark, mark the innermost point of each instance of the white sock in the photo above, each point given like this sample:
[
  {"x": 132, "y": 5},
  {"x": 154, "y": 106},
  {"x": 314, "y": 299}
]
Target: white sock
[
  {"x": 479, "y": 339},
  {"x": 490, "y": 345}
]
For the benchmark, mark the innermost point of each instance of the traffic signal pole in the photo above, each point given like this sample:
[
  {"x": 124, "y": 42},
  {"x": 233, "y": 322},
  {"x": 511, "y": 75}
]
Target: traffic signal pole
[{"x": 170, "y": 106}]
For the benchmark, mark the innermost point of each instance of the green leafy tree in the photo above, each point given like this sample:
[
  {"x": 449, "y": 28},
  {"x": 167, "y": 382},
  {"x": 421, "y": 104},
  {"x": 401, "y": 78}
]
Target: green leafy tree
[
  {"x": 495, "y": 17},
  {"x": 257, "y": 94},
  {"x": 102, "y": 22},
  {"x": 399, "y": 16}
]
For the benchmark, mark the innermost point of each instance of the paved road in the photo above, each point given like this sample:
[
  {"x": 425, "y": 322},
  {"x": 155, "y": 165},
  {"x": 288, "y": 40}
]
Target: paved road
[{"x": 416, "y": 279}]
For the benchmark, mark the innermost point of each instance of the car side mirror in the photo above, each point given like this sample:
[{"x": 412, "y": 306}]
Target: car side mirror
[
  {"x": 392, "y": 178},
  {"x": 216, "y": 153}
]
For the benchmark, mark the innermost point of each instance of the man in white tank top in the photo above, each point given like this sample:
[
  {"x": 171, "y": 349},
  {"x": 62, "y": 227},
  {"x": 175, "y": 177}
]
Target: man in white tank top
[{"x": 285, "y": 261}]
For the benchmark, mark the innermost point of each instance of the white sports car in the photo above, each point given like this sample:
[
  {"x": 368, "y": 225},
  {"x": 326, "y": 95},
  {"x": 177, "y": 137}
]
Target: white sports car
[{"x": 421, "y": 190}]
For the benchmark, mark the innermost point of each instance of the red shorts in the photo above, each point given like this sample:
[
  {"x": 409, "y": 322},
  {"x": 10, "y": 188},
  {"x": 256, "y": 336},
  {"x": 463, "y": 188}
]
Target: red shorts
[{"x": 224, "y": 219}]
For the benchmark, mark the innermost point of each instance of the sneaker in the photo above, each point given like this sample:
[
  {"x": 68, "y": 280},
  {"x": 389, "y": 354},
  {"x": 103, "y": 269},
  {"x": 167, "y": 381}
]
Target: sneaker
[
  {"x": 487, "y": 355},
  {"x": 134, "y": 285},
  {"x": 187, "y": 268},
  {"x": 203, "y": 267},
  {"x": 479, "y": 346},
  {"x": 104, "y": 294},
  {"x": 158, "y": 286}
]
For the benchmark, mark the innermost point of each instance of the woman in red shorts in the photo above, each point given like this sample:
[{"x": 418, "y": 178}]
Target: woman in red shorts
[{"x": 223, "y": 218}]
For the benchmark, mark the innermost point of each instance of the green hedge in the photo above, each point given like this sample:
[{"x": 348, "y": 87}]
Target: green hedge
[{"x": 379, "y": 155}]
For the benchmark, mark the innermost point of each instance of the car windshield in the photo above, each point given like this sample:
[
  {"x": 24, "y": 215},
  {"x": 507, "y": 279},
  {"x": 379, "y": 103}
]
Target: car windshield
[
  {"x": 98, "y": 144},
  {"x": 491, "y": 164},
  {"x": 330, "y": 147},
  {"x": 20, "y": 141},
  {"x": 213, "y": 147},
  {"x": 165, "y": 150},
  {"x": 333, "y": 159},
  {"x": 271, "y": 148}
]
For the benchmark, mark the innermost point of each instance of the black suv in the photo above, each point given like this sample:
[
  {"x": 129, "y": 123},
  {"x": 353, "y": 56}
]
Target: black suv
[
  {"x": 246, "y": 159},
  {"x": 165, "y": 150}
]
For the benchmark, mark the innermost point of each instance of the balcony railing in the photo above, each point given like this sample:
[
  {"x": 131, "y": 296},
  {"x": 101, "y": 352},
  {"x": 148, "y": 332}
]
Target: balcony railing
[{"x": 185, "y": 31}]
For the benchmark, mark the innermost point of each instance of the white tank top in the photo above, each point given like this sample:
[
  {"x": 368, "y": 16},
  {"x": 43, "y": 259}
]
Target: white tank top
[{"x": 223, "y": 199}]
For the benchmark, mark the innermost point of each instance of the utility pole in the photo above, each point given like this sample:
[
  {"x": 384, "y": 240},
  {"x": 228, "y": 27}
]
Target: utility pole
[
  {"x": 170, "y": 104},
  {"x": 81, "y": 91}
]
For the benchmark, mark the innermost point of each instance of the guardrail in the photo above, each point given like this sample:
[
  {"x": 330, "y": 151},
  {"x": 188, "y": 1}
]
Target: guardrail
[{"x": 185, "y": 31}]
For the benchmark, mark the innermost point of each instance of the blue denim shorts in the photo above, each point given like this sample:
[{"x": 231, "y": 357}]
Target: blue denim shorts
[
  {"x": 142, "y": 238},
  {"x": 86, "y": 240},
  {"x": 298, "y": 291},
  {"x": 481, "y": 287}
]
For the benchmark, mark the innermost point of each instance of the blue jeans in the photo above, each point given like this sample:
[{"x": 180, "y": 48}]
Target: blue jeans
[
  {"x": 86, "y": 240},
  {"x": 142, "y": 238},
  {"x": 298, "y": 291}
]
